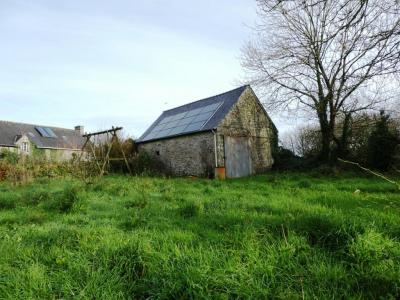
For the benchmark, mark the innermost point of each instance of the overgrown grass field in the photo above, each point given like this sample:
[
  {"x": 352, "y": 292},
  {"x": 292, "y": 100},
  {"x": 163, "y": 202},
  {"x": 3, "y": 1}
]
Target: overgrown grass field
[{"x": 281, "y": 236}]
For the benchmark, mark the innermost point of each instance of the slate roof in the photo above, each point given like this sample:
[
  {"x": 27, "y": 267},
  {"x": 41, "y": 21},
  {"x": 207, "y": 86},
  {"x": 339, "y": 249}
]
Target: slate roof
[
  {"x": 228, "y": 100},
  {"x": 10, "y": 132}
]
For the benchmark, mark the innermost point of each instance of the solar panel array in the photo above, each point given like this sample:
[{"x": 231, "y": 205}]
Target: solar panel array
[
  {"x": 46, "y": 132},
  {"x": 185, "y": 122}
]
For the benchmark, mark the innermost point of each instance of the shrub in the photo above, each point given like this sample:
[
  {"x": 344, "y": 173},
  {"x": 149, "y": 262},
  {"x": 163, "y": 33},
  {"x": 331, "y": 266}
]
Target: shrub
[
  {"x": 324, "y": 170},
  {"x": 5, "y": 168},
  {"x": 287, "y": 160},
  {"x": 382, "y": 144},
  {"x": 144, "y": 164},
  {"x": 22, "y": 170},
  {"x": 10, "y": 157}
]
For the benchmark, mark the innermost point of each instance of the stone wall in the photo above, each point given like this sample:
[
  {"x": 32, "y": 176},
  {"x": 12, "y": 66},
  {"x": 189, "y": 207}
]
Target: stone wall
[
  {"x": 191, "y": 155},
  {"x": 59, "y": 154},
  {"x": 11, "y": 149},
  {"x": 249, "y": 119},
  {"x": 49, "y": 154}
]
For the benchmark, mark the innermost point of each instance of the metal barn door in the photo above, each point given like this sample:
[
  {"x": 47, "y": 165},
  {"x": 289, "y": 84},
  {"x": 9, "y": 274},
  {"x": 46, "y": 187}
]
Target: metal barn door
[{"x": 237, "y": 157}]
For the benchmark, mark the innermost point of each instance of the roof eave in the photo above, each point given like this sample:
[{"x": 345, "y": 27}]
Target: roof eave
[{"x": 56, "y": 148}]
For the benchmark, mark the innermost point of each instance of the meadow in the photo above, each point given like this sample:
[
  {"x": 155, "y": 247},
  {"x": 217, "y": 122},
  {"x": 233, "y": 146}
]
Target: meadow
[{"x": 280, "y": 236}]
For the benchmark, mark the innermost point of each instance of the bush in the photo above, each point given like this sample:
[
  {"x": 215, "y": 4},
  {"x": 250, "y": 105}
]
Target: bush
[
  {"x": 22, "y": 170},
  {"x": 144, "y": 164},
  {"x": 5, "y": 169},
  {"x": 10, "y": 157},
  {"x": 325, "y": 170},
  {"x": 382, "y": 144},
  {"x": 287, "y": 160}
]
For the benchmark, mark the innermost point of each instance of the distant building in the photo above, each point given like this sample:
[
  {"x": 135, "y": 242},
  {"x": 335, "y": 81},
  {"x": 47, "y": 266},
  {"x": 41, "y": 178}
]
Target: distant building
[
  {"x": 53, "y": 143},
  {"x": 229, "y": 133}
]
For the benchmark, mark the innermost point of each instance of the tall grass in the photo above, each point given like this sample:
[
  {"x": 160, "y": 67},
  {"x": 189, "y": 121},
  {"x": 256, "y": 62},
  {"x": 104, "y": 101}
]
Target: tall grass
[{"x": 283, "y": 236}]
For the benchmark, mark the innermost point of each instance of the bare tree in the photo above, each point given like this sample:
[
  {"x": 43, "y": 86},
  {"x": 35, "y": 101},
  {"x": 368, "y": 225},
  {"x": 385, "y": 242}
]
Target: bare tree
[
  {"x": 331, "y": 57},
  {"x": 303, "y": 141}
]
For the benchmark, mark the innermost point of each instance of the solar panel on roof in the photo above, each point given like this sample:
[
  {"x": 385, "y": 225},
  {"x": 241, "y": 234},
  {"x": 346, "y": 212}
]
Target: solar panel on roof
[
  {"x": 46, "y": 132},
  {"x": 194, "y": 127},
  {"x": 203, "y": 117},
  {"x": 211, "y": 107},
  {"x": 194, "y": 112},
  {"x": 183, "y": 122},
  {"x": 177, "y": 130},
  {"x": 50, "y": 132},
  {"x": 41, "y": 131}
]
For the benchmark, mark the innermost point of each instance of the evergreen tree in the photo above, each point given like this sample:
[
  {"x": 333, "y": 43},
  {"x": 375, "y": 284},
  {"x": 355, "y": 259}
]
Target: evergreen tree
[{"x": 382, "y": 144}]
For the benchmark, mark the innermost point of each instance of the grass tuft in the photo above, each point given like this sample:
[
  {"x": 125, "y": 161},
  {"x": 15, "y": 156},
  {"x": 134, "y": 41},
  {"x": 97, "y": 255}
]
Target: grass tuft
[
  {"x": 63, "y": 200},
  {"x": 191, "y": 209},
  {"x": 7, "y": 201}
]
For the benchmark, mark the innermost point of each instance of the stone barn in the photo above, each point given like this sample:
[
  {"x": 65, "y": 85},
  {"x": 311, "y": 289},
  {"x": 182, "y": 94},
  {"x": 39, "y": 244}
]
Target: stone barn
[
  {"x": 52, "y": 143},
  {"x": 228, "y": 135}
]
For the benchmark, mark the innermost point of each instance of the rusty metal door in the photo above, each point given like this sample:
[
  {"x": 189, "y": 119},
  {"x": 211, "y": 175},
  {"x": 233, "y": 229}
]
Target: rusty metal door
[{"x": 237, "y": 157}]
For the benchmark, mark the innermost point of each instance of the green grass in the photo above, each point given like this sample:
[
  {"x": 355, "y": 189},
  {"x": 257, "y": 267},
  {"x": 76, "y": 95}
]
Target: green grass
[{"x": 280, "y": 236}]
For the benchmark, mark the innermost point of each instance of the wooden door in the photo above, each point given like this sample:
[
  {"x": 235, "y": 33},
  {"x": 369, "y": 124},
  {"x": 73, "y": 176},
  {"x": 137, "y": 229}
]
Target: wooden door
[{"x": 237, "y": 157}]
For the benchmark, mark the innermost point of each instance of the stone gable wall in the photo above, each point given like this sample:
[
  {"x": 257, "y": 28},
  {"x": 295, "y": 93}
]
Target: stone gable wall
[
  {"x": 24, "y": 139},
  {"x": 248, "y": 119},
  {"x": 191, "y": 155}
]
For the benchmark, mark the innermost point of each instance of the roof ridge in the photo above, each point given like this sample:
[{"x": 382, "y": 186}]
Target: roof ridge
[
  {"x": 235, "y": 89},
  {"x": 36, "y": 125}
]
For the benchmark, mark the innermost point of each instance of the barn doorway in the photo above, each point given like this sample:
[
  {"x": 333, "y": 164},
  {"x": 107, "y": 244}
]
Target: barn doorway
[{"x": 237, "y": 157}]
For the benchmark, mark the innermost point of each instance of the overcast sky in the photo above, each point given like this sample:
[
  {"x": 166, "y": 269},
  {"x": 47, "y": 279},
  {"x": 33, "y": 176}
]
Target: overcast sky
[{"x": 122, "y": 62}]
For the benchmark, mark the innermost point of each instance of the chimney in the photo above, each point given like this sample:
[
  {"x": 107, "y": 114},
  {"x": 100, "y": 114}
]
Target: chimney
[{"x": 80, "y": 129}]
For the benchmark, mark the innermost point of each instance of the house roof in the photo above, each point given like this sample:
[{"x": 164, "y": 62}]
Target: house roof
[
  {"x": 10, "y": 132},
  {"x": 218, "y": 107}
]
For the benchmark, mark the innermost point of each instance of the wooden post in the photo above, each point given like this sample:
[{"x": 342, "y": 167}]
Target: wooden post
[{"x": 104, "y": 160}]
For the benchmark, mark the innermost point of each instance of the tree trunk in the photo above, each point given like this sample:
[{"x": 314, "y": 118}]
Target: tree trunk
[
  {"x": 326, "y": 137},
  {"x": 343, "y": 142}
]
